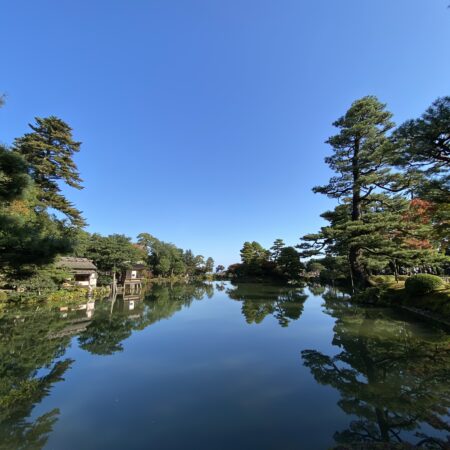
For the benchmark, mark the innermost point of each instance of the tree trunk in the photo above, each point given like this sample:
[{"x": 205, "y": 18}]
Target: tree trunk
[
  {"x": 114, "y": 282},
  {"x": 359, "y": 276},
  {"x": 374, "y": 375},
  {"x": 113, "y": 300}
]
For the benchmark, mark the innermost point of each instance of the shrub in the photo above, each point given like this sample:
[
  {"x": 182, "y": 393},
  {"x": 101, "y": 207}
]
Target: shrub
[
  {"x": 102, "y": 291},
  {"x": 104, "y": 280},
  {"x": 3, "y": 296},
  {"x": 370, "y": 295},
  {"x": 423, "y": 283}
]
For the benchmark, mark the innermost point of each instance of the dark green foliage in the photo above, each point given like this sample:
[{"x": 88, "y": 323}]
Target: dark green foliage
[
  {"x": 282, "y": 263},
  {"x": 424, "y": 145},
  {"x": 113, "y": 253},
  {"x": 336, "y": 270},
  {"x": 167, "y": 260},
  {"x": 13, "y": 175},
  {"x": 362, "y": 155},
  {"x": 288, "y": 263},
  {"x": 49, "y": 151},
  {"x": 437, "y": 303},
  {"x": 285, "y": 304},
  {"x": 30, "y": 237},
  {"x": 252, "y": 253},
  {"x": 255, "y": 261},
  {"x": 423, "y": 283},
  {"x": 42, "y": 280},
  {"x": 104, "y": 280},
  {"x": 362, "y": 152},
  {"x": 425, "y": 142},
  {"x": 276, "y": 248},
  {"x": 30, "y": 364},
  {"x": 190, "y": 262},
  {"x": 209, "y": 265},
  {"x": 376, "y": 229},
  {"x": 314, "y": 266},
  {"x": 391, "y": 381}
]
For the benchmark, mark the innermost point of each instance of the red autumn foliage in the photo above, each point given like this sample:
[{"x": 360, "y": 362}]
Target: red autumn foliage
[{"x": 420, "y": 211}]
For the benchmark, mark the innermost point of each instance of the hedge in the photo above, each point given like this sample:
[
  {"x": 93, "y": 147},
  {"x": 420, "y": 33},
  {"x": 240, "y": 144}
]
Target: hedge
[{"x": 422, "y": 284}]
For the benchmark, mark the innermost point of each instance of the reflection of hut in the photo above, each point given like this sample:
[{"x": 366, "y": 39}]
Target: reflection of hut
[
  {"x": 83, "y": 270},
  {"x": 78, "y": 318},
  {"x": 131, "y": 306},
  {"x": 131, "y": 279}
]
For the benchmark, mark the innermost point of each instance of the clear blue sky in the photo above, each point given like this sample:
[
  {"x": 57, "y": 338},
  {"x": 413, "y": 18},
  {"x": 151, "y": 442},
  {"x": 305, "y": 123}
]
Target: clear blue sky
[{"x": 203, "y": 121}]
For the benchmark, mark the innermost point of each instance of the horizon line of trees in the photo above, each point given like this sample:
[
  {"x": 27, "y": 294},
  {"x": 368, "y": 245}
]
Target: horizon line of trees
[
  {"x": 115, "y": 253},
  {"x": 393, "y": 214},
  {"x": 280, "y": 262}
]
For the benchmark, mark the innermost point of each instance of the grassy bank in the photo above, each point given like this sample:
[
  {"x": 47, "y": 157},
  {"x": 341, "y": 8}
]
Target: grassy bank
[
  {"x": 386, "y": 291},
  {"x": 57, "y": 297}
]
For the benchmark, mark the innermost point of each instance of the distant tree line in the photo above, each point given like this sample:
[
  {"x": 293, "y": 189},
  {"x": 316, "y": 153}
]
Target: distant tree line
[
  {"x": 116, "y": 253},
  {"x": 280, "y": 262}
]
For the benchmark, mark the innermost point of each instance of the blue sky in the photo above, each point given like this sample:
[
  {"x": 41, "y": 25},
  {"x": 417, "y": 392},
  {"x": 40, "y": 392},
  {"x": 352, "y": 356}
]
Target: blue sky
[{"x": 203, "y": 121}]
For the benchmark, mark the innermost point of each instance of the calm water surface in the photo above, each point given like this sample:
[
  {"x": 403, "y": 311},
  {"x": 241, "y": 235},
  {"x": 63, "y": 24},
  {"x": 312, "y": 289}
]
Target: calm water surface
[{"x": 221, "y": 366}]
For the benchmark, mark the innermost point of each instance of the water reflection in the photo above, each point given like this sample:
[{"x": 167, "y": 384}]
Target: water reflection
[
  {"x": 391, "y": 373},
  {"x": 34, "y": 340},
  {"x": 115, "y": 320},
  {"x": 393, "y": 378},
  {"x": 30, "y": 364},
  {"x": 259, "y": 301}
]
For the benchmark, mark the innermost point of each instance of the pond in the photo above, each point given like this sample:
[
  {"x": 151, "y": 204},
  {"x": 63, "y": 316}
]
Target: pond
[{"x": 221, "y": 366}]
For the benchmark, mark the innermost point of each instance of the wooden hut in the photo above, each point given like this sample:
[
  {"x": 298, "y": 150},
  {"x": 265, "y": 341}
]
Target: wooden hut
[
  {"x": 131, "y": 279},
  {"x": 83, "y": 270}
]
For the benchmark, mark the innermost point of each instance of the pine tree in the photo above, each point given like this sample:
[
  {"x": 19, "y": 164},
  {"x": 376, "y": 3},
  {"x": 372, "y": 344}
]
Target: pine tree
[
  {"x": 276, "y": 248},
  {"x": 426, "y": 141},
  {"x": 49, "y": 151},
  {"x": 189, "y": 261},
  {"x": 362, "y": 156},
  {"x": 393, "y": 234},
  {"x": 209, "y": 265},
  {"x": 288, "y": 262},
  {"x": 424, "y": 145},
  {"x": 253, "y": 253},
  {"x": 29, "y": 236},
  {"x": 13, "y": 175}
]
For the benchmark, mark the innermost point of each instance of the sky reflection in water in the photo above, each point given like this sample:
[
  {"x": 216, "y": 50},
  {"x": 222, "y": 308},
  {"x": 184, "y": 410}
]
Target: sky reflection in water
[{"x": 219, "y": 366}]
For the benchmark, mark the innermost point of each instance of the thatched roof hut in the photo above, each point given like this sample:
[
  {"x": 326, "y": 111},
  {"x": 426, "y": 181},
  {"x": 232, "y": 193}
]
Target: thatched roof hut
[{"x": 83, "y": 269}]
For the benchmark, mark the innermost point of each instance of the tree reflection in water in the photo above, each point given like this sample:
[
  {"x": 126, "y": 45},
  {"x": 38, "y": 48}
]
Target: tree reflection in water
[
  {"x": 258, "y": 301},
  {"x": 30, "y": 363},
  {"x": 114, "y": 321},
  {"x": 392, "y": 375},
  {"x": 34, "y": 340}
]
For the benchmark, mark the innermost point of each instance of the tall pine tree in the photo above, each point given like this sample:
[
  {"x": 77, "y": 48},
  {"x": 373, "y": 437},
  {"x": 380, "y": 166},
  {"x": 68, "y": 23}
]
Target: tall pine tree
[
  {"x": 49, "y": 151},
  {"x": 362, "y": 156}
]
